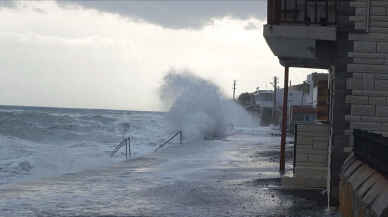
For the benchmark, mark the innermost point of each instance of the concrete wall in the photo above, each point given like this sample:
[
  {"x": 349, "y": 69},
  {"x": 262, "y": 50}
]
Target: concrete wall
[{"x": 363, "y": 191}]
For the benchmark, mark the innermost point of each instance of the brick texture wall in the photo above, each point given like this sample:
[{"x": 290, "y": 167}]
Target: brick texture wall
[
  {"x": 369, "y": 67},
  {"x": 311, "y": 157}
]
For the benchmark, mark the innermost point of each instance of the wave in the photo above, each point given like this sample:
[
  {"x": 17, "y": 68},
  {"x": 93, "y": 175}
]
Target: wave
[
  {"x": 43, "y": 142},
  {"x": 199, "y": 107}
]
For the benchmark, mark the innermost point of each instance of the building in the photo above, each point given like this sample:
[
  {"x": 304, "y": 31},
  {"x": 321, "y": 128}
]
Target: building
[
  {"x": 266, "y": 103},
  {"x": 349, "y": 38},
  {"x": 297, "y": 95},
  {"x": 264, "y": 98},
  {"x": 307, "y": 101}
]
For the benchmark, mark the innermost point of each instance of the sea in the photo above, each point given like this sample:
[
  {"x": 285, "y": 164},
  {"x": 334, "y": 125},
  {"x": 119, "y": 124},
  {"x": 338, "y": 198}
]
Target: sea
[{"x": 38, "y": 142}]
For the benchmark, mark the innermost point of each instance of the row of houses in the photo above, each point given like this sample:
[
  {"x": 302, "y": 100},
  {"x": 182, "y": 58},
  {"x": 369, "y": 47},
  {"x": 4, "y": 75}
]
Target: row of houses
[{"x": 307, "y": 102}]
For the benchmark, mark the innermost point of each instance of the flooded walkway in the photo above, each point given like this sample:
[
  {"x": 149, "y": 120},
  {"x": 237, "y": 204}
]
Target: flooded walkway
[{"x": 232, "y": 177}]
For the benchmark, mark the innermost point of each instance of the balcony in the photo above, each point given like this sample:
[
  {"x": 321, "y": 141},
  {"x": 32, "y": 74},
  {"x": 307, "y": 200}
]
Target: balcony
[{"x": 302, "y": 33}]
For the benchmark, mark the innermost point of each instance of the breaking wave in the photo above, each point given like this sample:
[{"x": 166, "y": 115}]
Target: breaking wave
[{"x": 199, "y": 107}]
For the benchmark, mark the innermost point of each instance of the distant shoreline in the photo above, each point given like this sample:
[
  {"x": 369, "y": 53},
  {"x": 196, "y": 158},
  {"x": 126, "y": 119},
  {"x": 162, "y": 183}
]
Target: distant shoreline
[{"x": 71, "y": 108}]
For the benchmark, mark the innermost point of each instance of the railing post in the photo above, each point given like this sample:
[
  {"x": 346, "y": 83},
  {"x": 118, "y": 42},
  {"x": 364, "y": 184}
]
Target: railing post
[
  {"x": 327, "y": 12},
  {"x": 129, "y": 146},
  {"x": 316, "y": 11},
  {"x": 295, "y": 11},
  {"x": 306, "y": 16},
  {"x": 273, "y": 11},
  {"x": 133, "y": 148},
  {"x": 295, "y": 143},
  {"x": 367, "y": 14},
  {"x": 180, "y": 137},
  {"x": 126, "y": 149}
]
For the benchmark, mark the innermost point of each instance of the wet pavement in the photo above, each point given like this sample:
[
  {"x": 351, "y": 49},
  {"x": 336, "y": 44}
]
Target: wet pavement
[{"x": 232, "y": 177}]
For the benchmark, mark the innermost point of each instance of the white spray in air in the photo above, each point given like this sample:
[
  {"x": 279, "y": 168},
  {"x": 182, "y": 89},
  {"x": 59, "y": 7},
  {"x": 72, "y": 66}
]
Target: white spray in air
[{"x": 199, "y": 108}]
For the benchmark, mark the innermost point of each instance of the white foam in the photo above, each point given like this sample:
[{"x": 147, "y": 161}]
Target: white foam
[
  {"x": 38, "y": 143},
  {"x": 198, "y": 106}
]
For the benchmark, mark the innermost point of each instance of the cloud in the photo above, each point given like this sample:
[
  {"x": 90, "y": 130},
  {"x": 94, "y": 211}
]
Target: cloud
[
  {"x": 252, "y": 26},
  {"x": 176, "y": 14},
  {"x": 71, "y": 56},
  {"x": 8, "y": 4},
  {"x": 76, "y": 57}
]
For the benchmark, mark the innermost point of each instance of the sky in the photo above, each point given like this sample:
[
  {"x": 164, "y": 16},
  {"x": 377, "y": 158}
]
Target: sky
[{"x": 114, "y": 54}]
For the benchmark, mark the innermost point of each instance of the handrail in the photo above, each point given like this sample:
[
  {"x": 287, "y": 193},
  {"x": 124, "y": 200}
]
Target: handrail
[
  {"x": 322, "y": 12},
  {"x": 125, "y": 142},
  {"x": 169, "y": 140},
  {"x": 367, "y": 16}
]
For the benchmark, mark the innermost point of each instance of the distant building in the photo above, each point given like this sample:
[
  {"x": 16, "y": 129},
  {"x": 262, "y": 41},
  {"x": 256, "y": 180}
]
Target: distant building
[
  {"x": 308, "y": 101},
  {"x": 247, "y": 100},
  {"x": 264, "y": 98},
  {"x": 265, "y": 102}
]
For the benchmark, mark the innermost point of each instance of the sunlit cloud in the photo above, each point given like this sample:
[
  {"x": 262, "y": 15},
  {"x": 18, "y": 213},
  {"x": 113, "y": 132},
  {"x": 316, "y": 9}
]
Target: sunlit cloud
[{"x": 80, "y": 57}]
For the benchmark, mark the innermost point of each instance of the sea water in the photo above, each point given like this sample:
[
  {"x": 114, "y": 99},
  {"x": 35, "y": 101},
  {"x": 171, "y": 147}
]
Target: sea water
[{"x": 39, "y": 142}]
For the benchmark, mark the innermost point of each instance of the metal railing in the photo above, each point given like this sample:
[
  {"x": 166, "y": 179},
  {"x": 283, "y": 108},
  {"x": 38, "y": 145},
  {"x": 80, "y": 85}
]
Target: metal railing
[
  {"x": 125, "y": 142},
  {"x": 321, "y": 12},
  {"x": 170, "y": 139},
  {"x": 372, "y": 149}
]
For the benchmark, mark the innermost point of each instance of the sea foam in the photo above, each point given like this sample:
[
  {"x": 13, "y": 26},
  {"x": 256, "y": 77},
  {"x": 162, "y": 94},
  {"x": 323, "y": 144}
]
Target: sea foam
[{"x": 199, "y": 107}]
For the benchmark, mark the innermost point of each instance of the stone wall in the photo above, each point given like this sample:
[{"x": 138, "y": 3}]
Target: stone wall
[
  {"x": 311, "y": 156},
  {"x": 366, "y": 76},
  {"x": 369, "y": 67},
  {"x": 363, "y": 191}
]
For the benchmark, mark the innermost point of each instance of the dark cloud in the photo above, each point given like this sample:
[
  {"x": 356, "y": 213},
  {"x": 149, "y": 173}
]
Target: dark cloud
[
  {"x": 176, "y": 14},
  {"x": 8, "y": 4}
]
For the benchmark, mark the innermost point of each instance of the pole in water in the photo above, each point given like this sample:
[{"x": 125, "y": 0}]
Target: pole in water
[
  {"x": 284, "y": 123},
  {"x": 133, "y": 148},
  {"x": 126, "y": 149},
  {"x": 129, "y": 146},
  {"x": 180, "y": 137},
  {"x": 234, "y": 90}
]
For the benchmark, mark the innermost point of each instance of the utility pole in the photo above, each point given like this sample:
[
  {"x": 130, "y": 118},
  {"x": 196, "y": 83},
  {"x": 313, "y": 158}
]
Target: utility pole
[
  {"x": 275, "y": 85},
  {"x": 284, "y": 123},
  {"x": 234, "y": 90}
]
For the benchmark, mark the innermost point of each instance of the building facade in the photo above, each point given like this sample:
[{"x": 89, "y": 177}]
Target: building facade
[{"x": 349, "y": 38}]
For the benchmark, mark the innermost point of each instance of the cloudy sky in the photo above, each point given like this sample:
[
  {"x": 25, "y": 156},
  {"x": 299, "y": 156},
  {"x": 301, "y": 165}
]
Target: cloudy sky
[{"x": 114, "y": 54}]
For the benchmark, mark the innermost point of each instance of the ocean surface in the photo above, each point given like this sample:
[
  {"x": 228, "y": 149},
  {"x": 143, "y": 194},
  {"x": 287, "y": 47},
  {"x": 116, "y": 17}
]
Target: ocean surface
[{"x": 38, "y": 142}]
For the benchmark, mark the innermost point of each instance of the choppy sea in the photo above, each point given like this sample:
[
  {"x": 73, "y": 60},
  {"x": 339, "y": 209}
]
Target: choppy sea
[{"x": 39, "y": 142}]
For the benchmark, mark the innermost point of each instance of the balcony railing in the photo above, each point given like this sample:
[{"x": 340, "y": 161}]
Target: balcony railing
[
  {"x": 371, "y": 149},
  {"x": 319, "y": 12}
]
